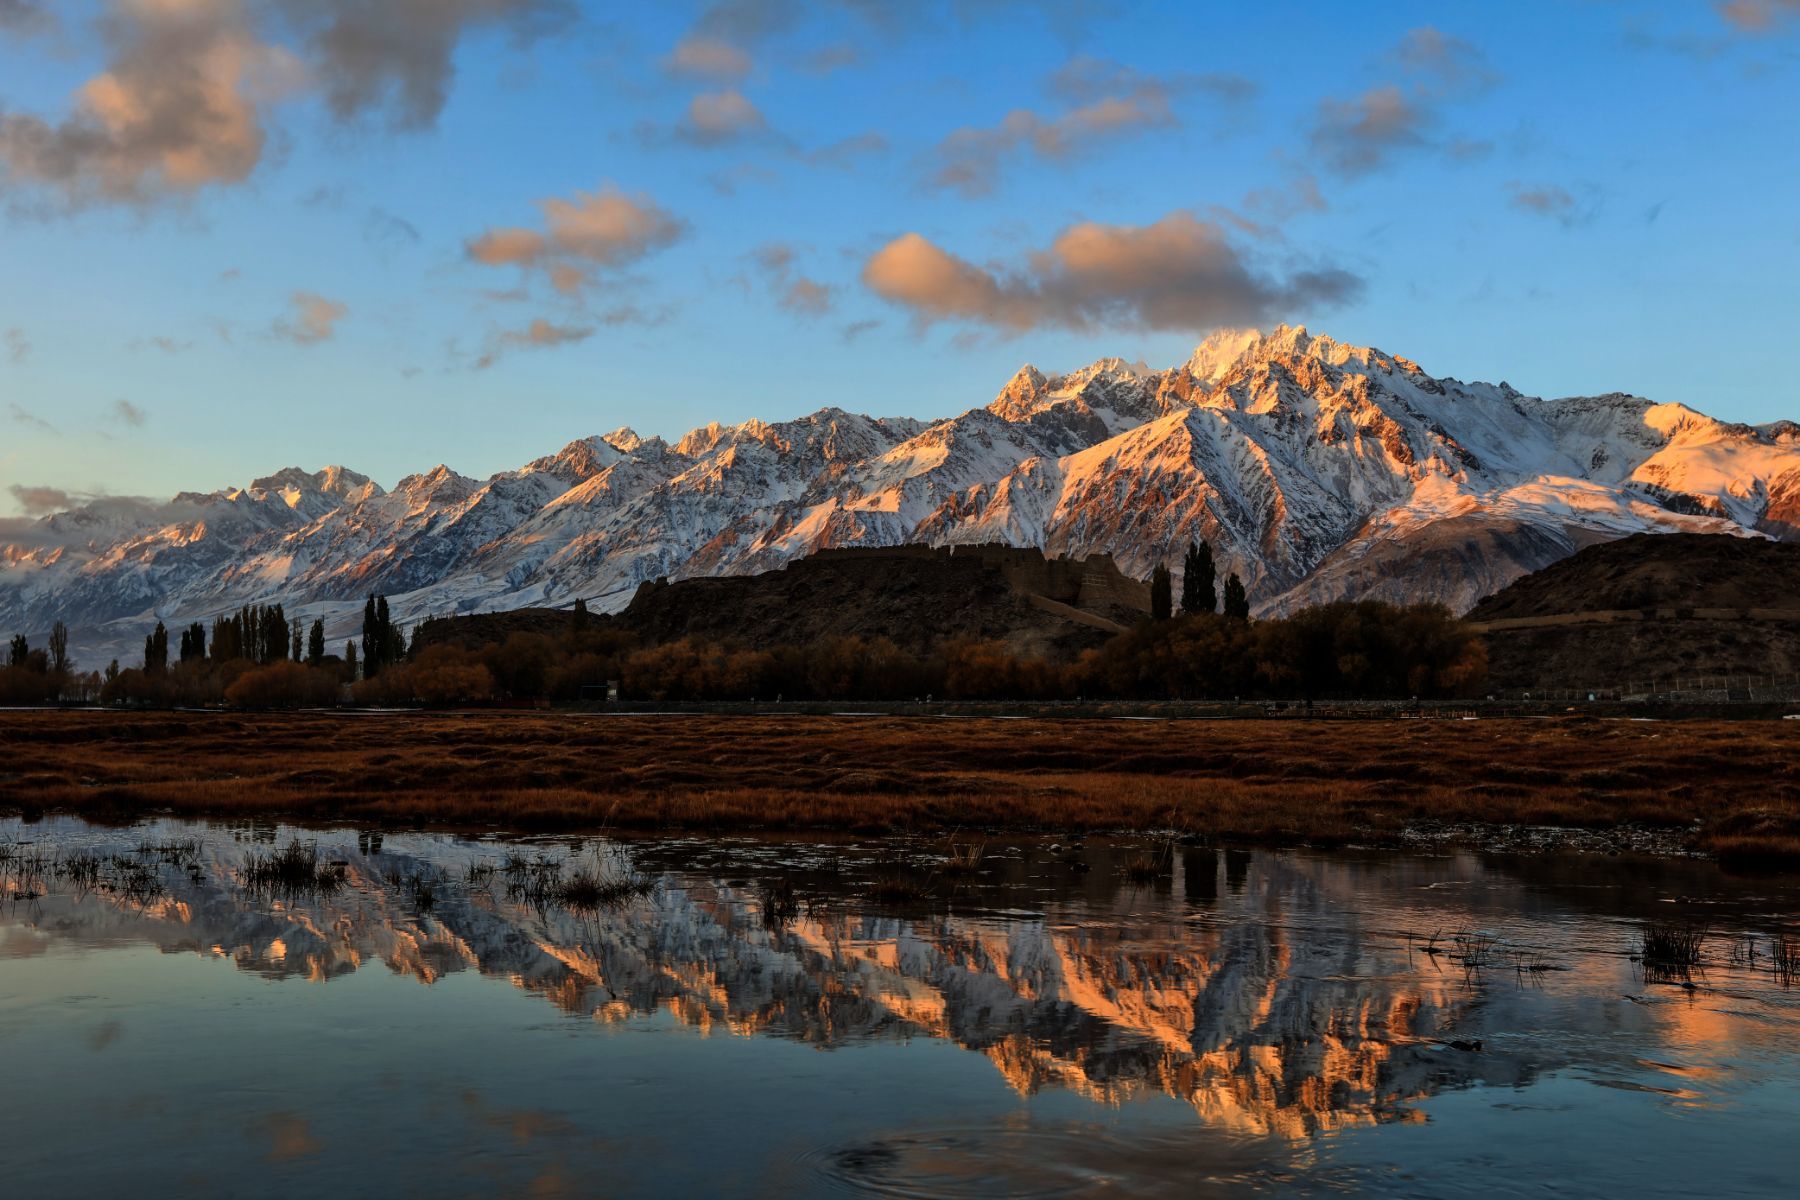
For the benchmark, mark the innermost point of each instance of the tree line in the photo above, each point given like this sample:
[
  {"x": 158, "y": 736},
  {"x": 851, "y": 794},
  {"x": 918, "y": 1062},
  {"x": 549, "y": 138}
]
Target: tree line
[{"x": 1208, "y": 649}]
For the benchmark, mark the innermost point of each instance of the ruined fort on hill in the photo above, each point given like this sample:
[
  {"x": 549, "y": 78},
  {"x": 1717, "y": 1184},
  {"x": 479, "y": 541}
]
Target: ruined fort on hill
[{"x": 915, "y": 596}]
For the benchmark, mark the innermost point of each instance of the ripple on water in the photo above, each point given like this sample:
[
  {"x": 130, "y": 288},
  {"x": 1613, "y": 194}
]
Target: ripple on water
[{"x": 1034, "y": 1161}]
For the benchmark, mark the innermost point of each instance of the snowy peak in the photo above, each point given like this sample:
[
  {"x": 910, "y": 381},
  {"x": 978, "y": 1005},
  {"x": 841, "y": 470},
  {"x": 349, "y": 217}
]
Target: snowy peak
[
  {"x": 580, "y": 460},
  {"x": 1315, "y": 468}
]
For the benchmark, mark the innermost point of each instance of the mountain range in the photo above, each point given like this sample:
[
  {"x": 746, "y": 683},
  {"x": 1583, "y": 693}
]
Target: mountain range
[{"x": 1317, "y": 470}]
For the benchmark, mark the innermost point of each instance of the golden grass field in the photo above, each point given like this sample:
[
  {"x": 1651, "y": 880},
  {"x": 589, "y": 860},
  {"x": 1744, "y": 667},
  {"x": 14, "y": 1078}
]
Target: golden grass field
[{"x": 1733, "y": 786}]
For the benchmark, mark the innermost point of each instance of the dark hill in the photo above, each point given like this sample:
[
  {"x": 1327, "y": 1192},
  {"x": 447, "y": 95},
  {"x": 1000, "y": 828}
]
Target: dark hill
[
  {"x": 1656, "y": 570},
  {"x": 1665, "y": 612},
  {"x": 915, "y": 596}
]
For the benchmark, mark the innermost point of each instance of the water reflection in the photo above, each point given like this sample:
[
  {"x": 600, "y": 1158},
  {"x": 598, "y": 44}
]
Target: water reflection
[{"x": 1275, "y": 996}]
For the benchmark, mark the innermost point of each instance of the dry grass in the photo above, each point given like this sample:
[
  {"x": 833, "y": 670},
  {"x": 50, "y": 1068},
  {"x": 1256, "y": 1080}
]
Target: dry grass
[{"x": 1271, "y": 781}]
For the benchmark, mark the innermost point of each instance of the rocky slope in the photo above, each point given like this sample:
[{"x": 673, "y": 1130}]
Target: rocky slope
[{"x": 1316, "y": 469}]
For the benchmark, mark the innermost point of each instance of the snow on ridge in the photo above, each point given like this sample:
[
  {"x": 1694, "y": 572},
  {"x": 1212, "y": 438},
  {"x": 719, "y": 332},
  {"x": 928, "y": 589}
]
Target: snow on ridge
[{"x": 1298, "y": 456}]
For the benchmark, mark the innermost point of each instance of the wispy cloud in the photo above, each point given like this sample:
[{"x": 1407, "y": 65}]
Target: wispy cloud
[
  {"x": 539, "y": 334},
  {"x": 1106, "y": 102},
  {"x": 23, "y": 416},
  {"x": 792, "y": 290},
  {"x": 1363, "y": 133},
  {"x": 18, "y": 346},
  {"x": 312, "y": 319},
  {"x": 1554, "y": 202},
  {"x": 127, "y": 413}
]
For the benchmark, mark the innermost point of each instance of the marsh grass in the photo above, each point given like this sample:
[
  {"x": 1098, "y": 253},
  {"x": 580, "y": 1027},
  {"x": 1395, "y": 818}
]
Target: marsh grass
[
  {"x": 1670, "y": 951},
  {"x": 294, "y": 871},
  {"x": 780, "y": 903},
  {"x": 1784, "y": 958},
  {"x": 1149, "y": 864},
  {"x": 963, "y": 858},
  {"x": 1732, "y": 788}
]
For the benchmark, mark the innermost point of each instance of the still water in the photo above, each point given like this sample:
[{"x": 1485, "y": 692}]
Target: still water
[{"x": 437, "y": 1015}]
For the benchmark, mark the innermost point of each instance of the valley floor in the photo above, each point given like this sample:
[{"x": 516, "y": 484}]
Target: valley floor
[{"x": 1730, "y": 788}]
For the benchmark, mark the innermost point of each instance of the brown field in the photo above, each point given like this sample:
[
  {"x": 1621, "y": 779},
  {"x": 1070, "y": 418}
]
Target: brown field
[{"x": 1733, "y": 788}]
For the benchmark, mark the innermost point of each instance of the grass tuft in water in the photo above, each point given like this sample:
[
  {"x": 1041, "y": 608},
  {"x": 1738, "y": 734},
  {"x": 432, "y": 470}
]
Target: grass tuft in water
[{"x": 293, "y": 870}]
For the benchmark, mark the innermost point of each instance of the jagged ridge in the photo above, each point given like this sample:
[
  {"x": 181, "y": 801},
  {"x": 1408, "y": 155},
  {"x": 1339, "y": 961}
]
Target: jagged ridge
[{"x": 1317, "y": 470}]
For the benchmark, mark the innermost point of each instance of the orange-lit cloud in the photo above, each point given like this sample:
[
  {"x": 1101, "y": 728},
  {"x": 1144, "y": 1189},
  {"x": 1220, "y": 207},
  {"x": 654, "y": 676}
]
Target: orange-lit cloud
[
  {"x": 715, "y": 118},
  {"x": 179, "y": 107},
  {"x": 707, "y": 58},
  {"x": 313, "y": 319},
  {"x": 1758, "y": 16},
  {"x": 593, "y": 232},
  {"x": 537, "y": 335},
  {"x": 1180, "y": 273}
]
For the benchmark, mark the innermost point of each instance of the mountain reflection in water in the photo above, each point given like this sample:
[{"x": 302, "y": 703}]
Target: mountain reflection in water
[{"x": 1278, "y": 997}]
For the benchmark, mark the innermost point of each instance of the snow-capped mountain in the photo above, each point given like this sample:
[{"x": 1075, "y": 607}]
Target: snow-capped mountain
[{"x": 1317, "y": 470}]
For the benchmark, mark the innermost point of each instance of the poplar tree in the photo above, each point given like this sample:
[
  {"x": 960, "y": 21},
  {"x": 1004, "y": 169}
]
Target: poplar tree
[
  {"x": 315, "y": 643},
  {"x": 156, "y": 650},
  {"x": 350, "y": 659},
  {"x": 370, "y": 641},
  {"x": 19, "y": 651},
  {"x": 1199, "y": 580},
  {"x": 1161, "y": 596},
  {"x": 1237, "y": 603},
  {"x": 59, "y": 648}
]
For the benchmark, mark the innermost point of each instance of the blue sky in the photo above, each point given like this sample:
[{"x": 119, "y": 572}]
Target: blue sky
[{"x": 241, "y": 234}]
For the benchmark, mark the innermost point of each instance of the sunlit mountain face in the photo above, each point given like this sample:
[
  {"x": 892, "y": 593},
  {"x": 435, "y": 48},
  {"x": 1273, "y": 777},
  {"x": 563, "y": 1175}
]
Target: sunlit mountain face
[
  {"x": 1276, "y": 999},
  {"x": 1315, "y": 469}
]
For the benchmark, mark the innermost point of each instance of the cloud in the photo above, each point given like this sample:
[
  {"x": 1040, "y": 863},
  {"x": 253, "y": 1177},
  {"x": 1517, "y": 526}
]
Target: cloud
[
  {"x": 313, "y": 320},
  {"x": 856, "y": 329},
  {"x": 742, "y": 21},
  {"x": 701, "y": 57},
  {"x": 167, "y": 345},
  {"x": 845, "y": 151},
  {"x": 39, "y": 501},
  {"x": 1758, "y": 16},
  {"x": 538, "y": 335},
  {"x": 594, "y": 232},
  {"x": 1109, "y": 101},
  {"x": 1552, "y": 201},
  {"x": 1353, "y": 137},
  {"x": 23, "y": 416},
  {"x": 178, "y": 108},
  {"x": 1300, "y": 194},
  {"x": 1180, "y": 273},
  {"x": 23, "y": 18},
  {"x": 127, "y": 413},
  {"x": 793, "y": 291},
  {"x": 1361, "y": 134},
  {"x": 383, "y": 228},
  {"x": 18, "y": 346},
  {"x": 1442, "y": 63},
  {"x": 827, "y": 59},
  {"x": 719, "y": 118},
  {"x": 398, "y": 56}
]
